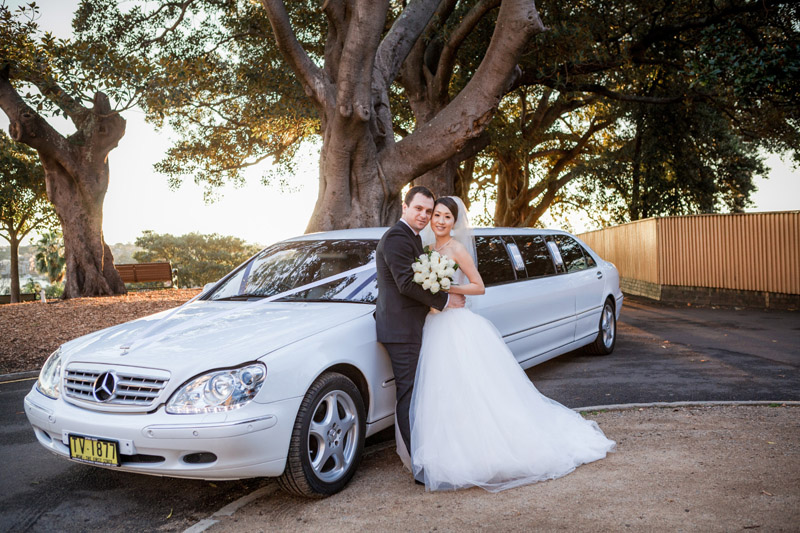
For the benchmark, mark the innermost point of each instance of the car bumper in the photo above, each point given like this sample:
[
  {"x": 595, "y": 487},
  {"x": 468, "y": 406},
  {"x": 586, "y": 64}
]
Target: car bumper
[{"x": 249, "y": 442}]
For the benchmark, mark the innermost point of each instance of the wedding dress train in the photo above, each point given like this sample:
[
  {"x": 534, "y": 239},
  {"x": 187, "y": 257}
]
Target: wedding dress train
[{"x": 477, "y": 420}]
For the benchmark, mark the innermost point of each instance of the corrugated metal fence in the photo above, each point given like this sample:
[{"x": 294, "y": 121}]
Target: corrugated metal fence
[{"x": 745, "y": 252}]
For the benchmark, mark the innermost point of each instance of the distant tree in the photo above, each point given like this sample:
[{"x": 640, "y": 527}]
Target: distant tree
[
  {"x": 49, "y": 258},
  {"x": 197, "y": 258},
  {"x": 721, "y": 77},
  {"x": 43, "y": 77},
  {"x": 23, "y": 201}
]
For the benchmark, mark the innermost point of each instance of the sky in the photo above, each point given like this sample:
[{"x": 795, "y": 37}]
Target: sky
[{"x": 139, "y": 198}]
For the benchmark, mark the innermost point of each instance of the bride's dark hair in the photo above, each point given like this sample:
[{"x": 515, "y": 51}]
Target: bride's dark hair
[{"x": 450, "y": 204}]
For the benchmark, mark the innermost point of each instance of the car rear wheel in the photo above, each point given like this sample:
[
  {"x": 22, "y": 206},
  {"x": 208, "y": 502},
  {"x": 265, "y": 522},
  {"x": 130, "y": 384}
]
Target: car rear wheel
[
  {"x": 327, "y": 440},
  {"x": 607, "y": 331}
]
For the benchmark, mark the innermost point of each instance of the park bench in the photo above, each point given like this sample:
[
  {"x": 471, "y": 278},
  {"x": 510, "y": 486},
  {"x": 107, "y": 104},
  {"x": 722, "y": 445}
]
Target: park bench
[{"x": 146, "y": 273}]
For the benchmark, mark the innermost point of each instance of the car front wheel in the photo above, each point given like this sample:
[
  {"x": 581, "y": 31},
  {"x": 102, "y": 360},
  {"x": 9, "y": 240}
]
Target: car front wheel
[
  {"x": 327, "y": 439},
  {"x": 607, "y": 332}
]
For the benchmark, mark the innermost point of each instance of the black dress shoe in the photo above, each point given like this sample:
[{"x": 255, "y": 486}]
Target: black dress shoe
[{"x": 418, "y": 482}]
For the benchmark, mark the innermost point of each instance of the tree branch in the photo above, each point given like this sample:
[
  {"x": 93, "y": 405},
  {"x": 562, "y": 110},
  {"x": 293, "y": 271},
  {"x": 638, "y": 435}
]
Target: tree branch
[
  {"x": 53, "y": 92},
  {"x": 402, "y": 37},
  {"x": 310, "y": 76},
  {"x": 447, "y": 59},
  {"x": 596, "y": 88},
  {"x": 662, "y": 33},
  {"x": 184, "y": 7},
  {"x": 470, "y": 111},
  {"x": 353, "y": 87},
  {"x": 28, "y": 127}
]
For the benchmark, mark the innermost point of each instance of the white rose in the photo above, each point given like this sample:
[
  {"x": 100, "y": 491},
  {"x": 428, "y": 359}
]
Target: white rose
[
  {"x": 434, "y": 287},
  {"x": 449, "y": 272},
  {"x": 438, "y": 269},
  {"x": 419, "y": 277},
  {"x": 451, "y": 263},
  {"x": 416, "y": 266},
  {"x": 445, "y": 283},
  {"x": 426, "y": 284},
  {"x": 433, "y": 277},
  {"x": 435, "y": 255}
]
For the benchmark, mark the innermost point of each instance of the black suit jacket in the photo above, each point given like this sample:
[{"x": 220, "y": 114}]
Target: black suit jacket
[{"x": 402, "y": 304}]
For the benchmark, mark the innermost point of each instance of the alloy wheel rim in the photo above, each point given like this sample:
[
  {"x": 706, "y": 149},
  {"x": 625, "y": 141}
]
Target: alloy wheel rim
[
  {"x": 333, "y": 436},
  {"x": 607, "y": 326}
]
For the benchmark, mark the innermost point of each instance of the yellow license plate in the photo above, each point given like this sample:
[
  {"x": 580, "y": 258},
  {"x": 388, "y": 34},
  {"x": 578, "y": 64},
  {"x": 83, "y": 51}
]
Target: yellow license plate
[{"x": 95, "y": 451}]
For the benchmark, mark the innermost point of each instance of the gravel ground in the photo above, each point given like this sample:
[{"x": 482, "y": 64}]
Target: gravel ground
[
  {"x": 676, "y": 469},
  {"x": 29, "y": 332}
]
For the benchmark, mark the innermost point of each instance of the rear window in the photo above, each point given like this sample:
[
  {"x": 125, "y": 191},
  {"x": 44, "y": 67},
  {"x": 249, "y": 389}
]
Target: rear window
[
  {"x": 287, "y": 266},
  {"x": 573, "y": 254},
  {"x": 536, "y": 255}
]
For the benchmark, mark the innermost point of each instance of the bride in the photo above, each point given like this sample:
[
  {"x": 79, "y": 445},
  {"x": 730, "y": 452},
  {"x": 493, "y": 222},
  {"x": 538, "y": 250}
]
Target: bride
[{"x": 476, "y": 419}]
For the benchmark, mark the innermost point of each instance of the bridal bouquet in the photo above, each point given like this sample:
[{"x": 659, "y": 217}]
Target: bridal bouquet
[{"x": 434, "y": 271}]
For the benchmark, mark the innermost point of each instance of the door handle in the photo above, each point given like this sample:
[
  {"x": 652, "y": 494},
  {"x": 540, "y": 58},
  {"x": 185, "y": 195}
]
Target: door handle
[{"x": 599, "y": 274}]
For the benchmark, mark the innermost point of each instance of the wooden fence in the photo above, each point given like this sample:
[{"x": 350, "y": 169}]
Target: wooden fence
[{"x": 756, "y": 252}]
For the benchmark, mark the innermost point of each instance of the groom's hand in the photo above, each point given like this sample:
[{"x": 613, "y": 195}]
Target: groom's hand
[{"x": 456, "y": 300}]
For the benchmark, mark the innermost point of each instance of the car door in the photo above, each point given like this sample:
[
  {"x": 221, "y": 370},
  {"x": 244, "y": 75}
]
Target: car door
[
  {"x": 502, "y": 302},
  {"x": 587, "y": 283},
  {"x": 549, "y": 308}
]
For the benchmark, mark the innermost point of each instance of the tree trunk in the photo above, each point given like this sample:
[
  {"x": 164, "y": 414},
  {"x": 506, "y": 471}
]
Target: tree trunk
[
  {"x": 351, "y": 193},
  {"x": 362, "y": 167},
  {"x": 635, "y": 208},
  {"x": 14, "y": 242},
  {"x": 89, "y": 263},
  {"x": 76, "y": 175}
]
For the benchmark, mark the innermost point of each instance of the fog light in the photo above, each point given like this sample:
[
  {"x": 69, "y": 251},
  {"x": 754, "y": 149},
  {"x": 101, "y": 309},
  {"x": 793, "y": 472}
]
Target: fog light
[{"x": 199, "y": 458}]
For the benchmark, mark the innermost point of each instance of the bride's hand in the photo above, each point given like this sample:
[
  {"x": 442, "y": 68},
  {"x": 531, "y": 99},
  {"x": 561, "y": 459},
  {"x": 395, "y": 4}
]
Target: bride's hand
[{"x": 456, "y": 300}]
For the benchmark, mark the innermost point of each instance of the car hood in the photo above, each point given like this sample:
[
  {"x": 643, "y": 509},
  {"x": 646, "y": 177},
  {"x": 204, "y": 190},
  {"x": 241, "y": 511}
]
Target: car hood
[{"x": 205, "y": 335}]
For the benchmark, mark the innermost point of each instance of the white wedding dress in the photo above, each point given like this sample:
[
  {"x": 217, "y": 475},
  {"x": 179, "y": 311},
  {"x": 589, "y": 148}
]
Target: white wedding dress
[{"x": 477, "y": 420}]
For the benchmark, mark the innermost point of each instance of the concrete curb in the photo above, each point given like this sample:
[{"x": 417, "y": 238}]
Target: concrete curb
[
  {"x": 626, "y": 406},
  {"x": 16, "y": 376},
  {"x": 231, "y": 508}
]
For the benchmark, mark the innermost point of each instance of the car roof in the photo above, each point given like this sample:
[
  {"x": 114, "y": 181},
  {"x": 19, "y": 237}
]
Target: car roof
[{"x": 377, "y": 233}]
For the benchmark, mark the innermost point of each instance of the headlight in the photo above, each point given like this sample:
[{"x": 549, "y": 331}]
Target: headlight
[
  {"x": 49, "y": 382},
  {"x": 221, "y": 390}
]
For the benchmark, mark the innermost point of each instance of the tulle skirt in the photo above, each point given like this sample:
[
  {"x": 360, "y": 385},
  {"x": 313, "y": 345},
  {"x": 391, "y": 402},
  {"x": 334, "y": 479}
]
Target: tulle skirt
[{"x": 477, "y": 420}]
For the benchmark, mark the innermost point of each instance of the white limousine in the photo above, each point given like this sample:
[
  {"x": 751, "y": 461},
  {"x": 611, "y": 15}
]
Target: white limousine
[{"x": 275, "y": 370}]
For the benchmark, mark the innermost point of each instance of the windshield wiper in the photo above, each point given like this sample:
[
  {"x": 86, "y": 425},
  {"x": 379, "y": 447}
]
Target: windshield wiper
[{"x": 239, "y": 297}]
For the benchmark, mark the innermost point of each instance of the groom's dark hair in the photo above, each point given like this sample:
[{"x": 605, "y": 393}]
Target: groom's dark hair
[{"x": 419, "y": 189}]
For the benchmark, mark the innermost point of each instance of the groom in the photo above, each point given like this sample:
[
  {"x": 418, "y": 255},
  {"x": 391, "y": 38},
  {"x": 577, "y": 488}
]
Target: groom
[{"x": 402, "y": 303}]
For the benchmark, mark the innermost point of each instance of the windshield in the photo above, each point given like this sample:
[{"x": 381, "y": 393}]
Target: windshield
[{"x": 289, "y": 265}]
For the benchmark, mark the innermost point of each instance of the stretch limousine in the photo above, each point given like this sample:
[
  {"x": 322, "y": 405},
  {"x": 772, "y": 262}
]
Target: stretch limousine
[{"x": 275, "y": 369}]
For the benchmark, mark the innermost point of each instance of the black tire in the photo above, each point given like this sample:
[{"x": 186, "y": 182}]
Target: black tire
[
  {"x": 306, "y": 474},
  {"x": 603, "y": 344}
]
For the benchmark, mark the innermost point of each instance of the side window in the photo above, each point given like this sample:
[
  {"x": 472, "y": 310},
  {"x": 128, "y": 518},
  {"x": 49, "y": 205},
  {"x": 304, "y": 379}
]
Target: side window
[
  {"x": 494, "y": 264},
  {"x": 572, "y": 253},
  {"x": 590, "y": 262},
  {"x": 537, "y": 258}
]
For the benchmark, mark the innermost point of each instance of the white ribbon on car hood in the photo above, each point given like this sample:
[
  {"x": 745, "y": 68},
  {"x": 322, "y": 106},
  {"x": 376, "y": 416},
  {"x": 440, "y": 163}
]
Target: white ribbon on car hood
[{"x": 141, "y": 339}]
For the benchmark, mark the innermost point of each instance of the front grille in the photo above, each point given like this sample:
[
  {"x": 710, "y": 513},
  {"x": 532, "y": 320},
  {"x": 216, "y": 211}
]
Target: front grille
[{"x": 131, "y": 389}]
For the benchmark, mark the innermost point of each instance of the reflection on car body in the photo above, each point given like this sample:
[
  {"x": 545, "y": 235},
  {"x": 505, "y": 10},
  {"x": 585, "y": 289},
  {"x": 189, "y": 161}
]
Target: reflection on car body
[{"x": 275, "y": 370}]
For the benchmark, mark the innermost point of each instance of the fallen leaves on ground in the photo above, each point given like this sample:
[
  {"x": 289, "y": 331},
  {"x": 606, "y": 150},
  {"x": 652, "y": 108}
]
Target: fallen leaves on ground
[{"x": 31, "y": 331}]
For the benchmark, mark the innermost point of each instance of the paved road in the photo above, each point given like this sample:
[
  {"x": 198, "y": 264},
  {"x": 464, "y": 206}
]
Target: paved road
[
  {"x": 666, "y": 354},
  {"x": 663, "y": 354}
]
